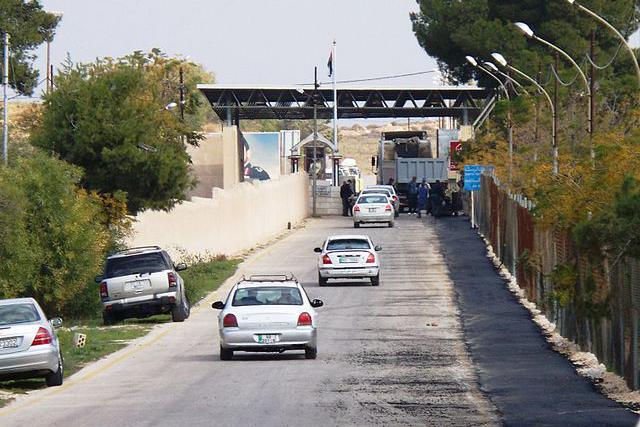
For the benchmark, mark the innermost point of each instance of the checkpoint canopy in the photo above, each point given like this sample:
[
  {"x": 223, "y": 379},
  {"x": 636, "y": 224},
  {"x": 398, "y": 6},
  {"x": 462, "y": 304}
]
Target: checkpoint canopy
[{"x": 234, "y": 103}]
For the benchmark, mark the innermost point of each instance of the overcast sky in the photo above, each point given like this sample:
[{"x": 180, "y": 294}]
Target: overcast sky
[{"x": 263, "y": 42}]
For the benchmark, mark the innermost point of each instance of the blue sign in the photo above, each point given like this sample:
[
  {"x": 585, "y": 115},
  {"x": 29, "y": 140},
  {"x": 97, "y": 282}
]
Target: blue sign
[{"x": 472, "y": 177}]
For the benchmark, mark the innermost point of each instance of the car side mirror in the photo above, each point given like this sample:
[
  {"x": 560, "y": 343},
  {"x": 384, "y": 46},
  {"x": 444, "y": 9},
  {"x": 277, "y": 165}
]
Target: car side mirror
[
  {"x": 378, "y": 248},
  {"x": 218, "y": 305},
  {"x": 181, "y": 266},
  {"x": 317, "y": 250},
  {"x": 99, "y": 279},
  {"x": 317, "y": 303},
  {"x": 56, "y": 322}
]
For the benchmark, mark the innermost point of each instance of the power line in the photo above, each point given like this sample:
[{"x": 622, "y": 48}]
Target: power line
[{"x": 394, "y": 76}]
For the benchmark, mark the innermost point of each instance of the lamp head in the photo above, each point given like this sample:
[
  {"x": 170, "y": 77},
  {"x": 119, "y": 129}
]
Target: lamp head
[
  {"x": 499, "y": 59},
  {"x": 525, "y": 29},
  {"x": 170, "y": 106},
  {"x": 491, "y": 66},
  {"x": 571, "y": 1},
  {"x": 471, "y": 60}
]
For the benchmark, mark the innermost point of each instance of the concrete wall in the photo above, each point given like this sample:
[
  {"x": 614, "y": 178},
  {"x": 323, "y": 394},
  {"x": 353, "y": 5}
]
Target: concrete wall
[
  {"x": 328, "y": 200},
  {"x": 233, "y": 221},
  {"x": 207, "y": 164}
]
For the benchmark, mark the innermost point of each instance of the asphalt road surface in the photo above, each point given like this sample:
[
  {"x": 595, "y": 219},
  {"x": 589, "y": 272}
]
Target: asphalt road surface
[{"x": 391, "y": 355}]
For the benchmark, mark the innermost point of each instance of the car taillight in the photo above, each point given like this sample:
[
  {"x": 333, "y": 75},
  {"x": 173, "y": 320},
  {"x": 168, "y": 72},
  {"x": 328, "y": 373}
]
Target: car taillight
[
  {"x": 42, "y": 337},
  {"x": 371, "y": 258},
  {"x": 230, "y": 321},
  {"x": 173, "y": 282},
  {"x": 304, "y": 319},
  {"x": 356, "y": 208},
  {"x": 104, "y": 291},
  {"x": 326, "y": 260},
  {"x": 388, "y": 208},
  {"x": 395, "y": 198}
]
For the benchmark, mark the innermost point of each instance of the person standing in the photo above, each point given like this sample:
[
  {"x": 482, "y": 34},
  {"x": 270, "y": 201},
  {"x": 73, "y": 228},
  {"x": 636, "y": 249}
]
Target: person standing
[
  {"x": 345, "y": 194},
  {"x": 423, "y": 196},
  {"x": 412, "y": 195}
]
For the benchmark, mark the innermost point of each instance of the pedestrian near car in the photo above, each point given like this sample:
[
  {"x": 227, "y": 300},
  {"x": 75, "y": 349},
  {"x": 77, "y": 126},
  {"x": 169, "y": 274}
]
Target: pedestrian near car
[
  {"x": 423, "y": 195},
  {"x": 345, "y": 194},
  {"x": 412, "y": 195}
]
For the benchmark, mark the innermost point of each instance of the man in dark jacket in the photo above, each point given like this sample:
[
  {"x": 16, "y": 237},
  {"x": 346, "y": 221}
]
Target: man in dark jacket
[
  {"x": 412, "y": 195},
  {"x": 345, "y": 194}
]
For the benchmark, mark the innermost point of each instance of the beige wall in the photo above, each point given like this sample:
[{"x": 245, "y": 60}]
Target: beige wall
[
  {"x": 207, "y": 164},
  {"x": 233, "y": 221}
]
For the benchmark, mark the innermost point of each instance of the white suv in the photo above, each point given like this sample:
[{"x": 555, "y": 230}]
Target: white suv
[{"x": 141, "y": 282}]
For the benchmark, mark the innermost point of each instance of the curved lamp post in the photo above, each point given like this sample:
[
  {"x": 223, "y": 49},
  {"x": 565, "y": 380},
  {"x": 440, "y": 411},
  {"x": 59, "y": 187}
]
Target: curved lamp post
[
  {"x": 503, "y": 62},
  {"x": 527, "y": 31},
  {"x": 492, "y": 67},
  {"x": 612, "y": 28},
  {"x": 471, "y": 60}
]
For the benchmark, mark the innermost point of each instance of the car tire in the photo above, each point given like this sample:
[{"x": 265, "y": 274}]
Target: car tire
[
  {"x": 225, "y": 353},
  {"x": 180, "y": 312},
  {"x": 310, "y": 352},
  {"x": 55, "y": 379},
  {"x": 390, "y": 224},
  {"x": 322, "y": 280},
  {"x": 356, "y": 225},
  {"x": 375, "y": 280},
  {"x": 109, "y": 319}
]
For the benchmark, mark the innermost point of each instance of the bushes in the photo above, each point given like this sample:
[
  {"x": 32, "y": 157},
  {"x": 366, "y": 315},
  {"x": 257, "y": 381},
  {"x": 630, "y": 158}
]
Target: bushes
[{"x": 52, "y": 239}]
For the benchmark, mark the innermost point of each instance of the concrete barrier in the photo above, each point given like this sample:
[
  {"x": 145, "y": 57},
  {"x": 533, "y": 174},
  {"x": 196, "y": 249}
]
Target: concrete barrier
[{"x": 231, "y": 222}]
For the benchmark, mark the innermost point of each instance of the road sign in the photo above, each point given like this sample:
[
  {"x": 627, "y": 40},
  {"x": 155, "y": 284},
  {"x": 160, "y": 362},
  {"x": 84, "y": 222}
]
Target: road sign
[{"x": 472, "y": 177}]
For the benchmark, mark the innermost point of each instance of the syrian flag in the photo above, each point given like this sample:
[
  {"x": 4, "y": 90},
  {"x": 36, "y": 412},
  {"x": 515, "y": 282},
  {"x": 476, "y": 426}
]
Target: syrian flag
[{"x": 330, "y": 64}]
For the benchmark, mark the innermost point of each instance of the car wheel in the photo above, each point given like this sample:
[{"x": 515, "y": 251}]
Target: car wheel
[
  {"x": 179, "y": 312},
  {"x": 322, "y": 280},
  {"x": 55, "y": 379},
  {"x": 109, "y": 319},
  {"x": 225, "y": 354},
  {"x": 390, "y": 224},
  {"x": 310, "y": 352},
  {"x": 375, "y": 280},
  {"x": 356, "y": 225}
]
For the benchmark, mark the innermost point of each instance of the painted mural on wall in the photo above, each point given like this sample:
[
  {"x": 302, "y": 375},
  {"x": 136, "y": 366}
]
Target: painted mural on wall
[{"x": 261, "y": 155}]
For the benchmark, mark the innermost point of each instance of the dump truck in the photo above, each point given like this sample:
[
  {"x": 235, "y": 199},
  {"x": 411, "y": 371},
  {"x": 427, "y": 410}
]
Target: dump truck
[{"x": 405, "y": 154}]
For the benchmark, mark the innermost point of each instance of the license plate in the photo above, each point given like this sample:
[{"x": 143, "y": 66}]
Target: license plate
[
  {"x": 348, "y": 260},
  {"x": 9, "y": 343},
  {"x": 136, "y": 286},
  {"x": 267, "y": 339},
  {"x": 372, "y": 209}
]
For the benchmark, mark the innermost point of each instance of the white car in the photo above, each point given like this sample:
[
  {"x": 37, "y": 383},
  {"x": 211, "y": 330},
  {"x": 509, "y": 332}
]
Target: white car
[
  {"x": 29, "y": 346},
  {"x": 373, "y": 208},
  {"x": 267, "y": 313},
  {"x": 392, "y": 195},
  {"x": 348, "y": 257}
]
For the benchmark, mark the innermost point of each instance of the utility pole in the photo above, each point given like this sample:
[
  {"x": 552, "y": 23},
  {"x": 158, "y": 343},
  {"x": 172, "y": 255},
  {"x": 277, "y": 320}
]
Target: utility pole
[
  {"x": 5, "y": 85},
  {"x": 181, "y": 94},
  {"x": 314, "y": 212},
  {"x": 510, "y": 134},
  {"x": 592, "y": 102},
  {"x": 555, "y": 118}
]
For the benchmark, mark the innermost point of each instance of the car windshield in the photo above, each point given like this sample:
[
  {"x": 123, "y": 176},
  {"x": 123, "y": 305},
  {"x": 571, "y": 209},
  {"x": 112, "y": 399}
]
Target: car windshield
[
  {"x": 267, "y": 296},
  {"x": 372, "y": 199},
  {"x": 135, "y": 264},
  {"x": 335, "y": 245},
  {"x": 18, "y": 313}
]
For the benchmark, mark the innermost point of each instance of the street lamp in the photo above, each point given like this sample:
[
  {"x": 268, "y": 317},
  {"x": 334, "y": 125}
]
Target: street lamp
[
  {"x": 527, "y": 31},
  {"x": 492, "y": 67},
  {"x": 58, "y": 15},
  {"x": 473, "y": 62},
  {"x": 503, "y": 62},
  {"x": 612, "y": 28}
]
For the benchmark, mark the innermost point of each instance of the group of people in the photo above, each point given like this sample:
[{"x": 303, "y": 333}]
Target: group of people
[{"x": 429, "y": 197}]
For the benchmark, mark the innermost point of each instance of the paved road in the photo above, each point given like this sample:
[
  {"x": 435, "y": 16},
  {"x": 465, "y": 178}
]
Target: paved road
[
  {"x": 529, "y": 383},
  {"x": 392, "y": 355}
]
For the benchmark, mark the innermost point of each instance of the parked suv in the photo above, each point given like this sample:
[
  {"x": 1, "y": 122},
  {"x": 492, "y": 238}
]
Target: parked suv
[{"x": 141, "y": 282}]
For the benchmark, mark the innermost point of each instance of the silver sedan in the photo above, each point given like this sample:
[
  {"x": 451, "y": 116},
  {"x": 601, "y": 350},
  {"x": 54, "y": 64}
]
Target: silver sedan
[
  {"x": 373, "y": 208},
  {"x": 267, "y": 314},
  {"x": 348, "y": 257},
  {"x": 29, "y": 346}
]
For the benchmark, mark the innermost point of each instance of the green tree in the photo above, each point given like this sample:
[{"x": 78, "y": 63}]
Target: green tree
[
  {"x": 109, "y": 118},
  {"x": 52, "y": 241},
  {"x": 28, "y": 26}
]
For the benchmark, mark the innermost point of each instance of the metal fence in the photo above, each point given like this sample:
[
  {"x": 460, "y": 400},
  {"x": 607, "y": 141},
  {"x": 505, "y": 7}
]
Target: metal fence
[{"x": 597, "y": 307}]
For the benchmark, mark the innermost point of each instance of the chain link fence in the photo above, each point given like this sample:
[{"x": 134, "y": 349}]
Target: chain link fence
[{"x": 594, "y": 304}]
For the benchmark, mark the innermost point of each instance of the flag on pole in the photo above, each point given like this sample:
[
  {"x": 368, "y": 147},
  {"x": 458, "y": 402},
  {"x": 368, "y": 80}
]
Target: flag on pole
[{"x": 330, "y": 64}]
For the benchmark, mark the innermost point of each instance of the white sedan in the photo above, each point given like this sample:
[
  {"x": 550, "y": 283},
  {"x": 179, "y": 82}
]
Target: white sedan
[
  {"x": 267, "y": 313},
  {"x": 373, "y": 208},
  {"x": 348, "y": 257}
]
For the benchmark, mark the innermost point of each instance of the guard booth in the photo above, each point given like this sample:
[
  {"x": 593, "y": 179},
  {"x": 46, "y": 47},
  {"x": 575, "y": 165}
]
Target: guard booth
[{"x": 327, "y": 158}]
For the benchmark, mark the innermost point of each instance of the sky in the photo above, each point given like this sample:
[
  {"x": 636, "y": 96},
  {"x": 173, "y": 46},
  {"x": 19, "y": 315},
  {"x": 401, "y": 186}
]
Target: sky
[
  {"x": 262, "y": 42},
  {"x": 252, "y": 42}
]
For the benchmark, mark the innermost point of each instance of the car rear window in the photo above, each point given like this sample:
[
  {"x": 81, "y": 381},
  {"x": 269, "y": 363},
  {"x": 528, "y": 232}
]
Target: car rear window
[
  {"x": 135, "y": 264},
  {"x": 336, "y": 245},
  {"x": 377, "y": 191},
  {"x": 267, "y": 296},
  {"x": 372, "y": 199},
  {"x": 18, "y": 313}
]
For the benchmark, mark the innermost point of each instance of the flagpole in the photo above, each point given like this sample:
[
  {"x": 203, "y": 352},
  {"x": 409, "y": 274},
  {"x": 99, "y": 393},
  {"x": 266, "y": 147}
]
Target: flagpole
[{"x": 335, "y": 100}]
